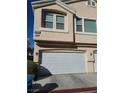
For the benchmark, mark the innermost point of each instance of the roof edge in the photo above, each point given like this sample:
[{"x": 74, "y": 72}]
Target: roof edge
[
  {"x": 38, "y": 4},
  {"x": 68, "y": 1},
  {"x": 65, "y": 6}
]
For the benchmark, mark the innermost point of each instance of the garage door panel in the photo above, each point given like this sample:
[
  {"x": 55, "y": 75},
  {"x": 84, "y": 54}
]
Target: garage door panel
[{"x": 61, "y": 63}]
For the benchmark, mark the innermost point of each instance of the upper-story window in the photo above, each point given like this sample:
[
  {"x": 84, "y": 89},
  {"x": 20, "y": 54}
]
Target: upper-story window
[
  {"x": 85, "y": 25},
  {"x": 52, "y": 20},
  {"x": 90, "y": 25},
  {"x": 92, "y": 3},
  {"x": 59, "y": 22},
  {"x": 48, "y": 20},
  {"x": 79, "y": 25}
]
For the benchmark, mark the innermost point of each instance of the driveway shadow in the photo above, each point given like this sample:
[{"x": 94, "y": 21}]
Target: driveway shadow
[{"x": 38, "y": 88}]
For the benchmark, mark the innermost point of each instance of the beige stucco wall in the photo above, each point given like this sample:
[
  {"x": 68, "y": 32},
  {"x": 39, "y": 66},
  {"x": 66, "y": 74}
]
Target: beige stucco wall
[
  {"x": 85, "y": 38},
  {"x": 82, "y": 10},
  {"x": 37, "y": 19},
  {"x": 67, "y": 35},
  {"x": 89, "y": 58}
]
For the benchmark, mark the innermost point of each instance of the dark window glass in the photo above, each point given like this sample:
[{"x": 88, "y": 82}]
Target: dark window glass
[
  {"x": 90, "y": 25},
  {"x": 48, "y": 20},
  {"x": 79, "y": 24},
  {"x": 59, "y": 22}
]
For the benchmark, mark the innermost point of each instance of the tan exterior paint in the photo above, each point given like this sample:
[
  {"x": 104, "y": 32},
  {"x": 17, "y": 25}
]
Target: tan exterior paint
[
  {"x": 85, "y": 38},
  {"x": 83, "y": 41},
  {"x": 83, "y": 10},
  {"x": 67, "y": 35}
]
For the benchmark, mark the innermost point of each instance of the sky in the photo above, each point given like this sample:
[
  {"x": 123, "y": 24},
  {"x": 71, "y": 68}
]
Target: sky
[{"x": 30, "y": 22}]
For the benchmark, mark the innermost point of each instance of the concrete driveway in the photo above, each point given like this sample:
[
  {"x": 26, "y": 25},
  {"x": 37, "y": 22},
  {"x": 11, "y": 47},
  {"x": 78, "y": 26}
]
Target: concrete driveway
[{"x": 65, "y": 82}]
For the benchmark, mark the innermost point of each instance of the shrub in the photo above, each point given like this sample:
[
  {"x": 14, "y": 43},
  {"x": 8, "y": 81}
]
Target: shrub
[{"x": 31, "y": 67}]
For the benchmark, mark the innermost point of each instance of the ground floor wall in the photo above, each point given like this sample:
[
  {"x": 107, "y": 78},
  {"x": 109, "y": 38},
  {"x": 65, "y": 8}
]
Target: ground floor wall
[{"x": 88, "y": 53}]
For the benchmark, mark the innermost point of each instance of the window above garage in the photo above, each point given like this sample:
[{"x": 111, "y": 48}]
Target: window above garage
[
  {"x": 53, "y": 21},
  {"x": 85, "y": 25},
  {"x": 90, "y": 25}
]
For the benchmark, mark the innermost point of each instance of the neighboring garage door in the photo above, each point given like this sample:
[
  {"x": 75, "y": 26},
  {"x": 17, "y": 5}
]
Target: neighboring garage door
[
  {"x": 95, "y": 63},
  {"x": 62, "y": 63}
]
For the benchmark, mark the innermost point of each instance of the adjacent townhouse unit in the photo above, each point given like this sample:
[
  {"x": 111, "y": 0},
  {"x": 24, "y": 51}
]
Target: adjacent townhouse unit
[{"x": 65, "y": 35}]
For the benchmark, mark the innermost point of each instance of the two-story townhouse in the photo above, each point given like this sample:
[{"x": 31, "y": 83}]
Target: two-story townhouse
[{"x": 65, "y": 35}]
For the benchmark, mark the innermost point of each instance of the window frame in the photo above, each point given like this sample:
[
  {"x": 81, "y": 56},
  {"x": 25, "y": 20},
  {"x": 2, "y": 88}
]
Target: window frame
[
  {"x": 44, "y": 21},
  {"x": 81, "y": 24},
  {"x": 83, "y": 27},
  {"x": 54, "y": 29},
  {"x": 93, "y": 20},
  {"x": 56, "y": 21}
]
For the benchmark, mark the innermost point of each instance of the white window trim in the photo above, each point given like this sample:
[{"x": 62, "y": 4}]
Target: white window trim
[
  {"x": 83, "y": 30},
  {"x": 56, "y": 22},
  {"x": 54, "y": 25},
  {"x": 82, "y": 25},
  {"x": 42, "y": 29}
]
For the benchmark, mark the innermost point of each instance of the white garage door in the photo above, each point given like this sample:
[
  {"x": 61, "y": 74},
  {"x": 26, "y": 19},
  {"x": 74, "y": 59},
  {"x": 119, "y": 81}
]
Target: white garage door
[{"x": 62, "y": 63}]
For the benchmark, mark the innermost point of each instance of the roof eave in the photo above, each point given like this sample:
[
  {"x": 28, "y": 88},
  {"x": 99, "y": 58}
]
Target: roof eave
[
  {"x": 58, "y": 2},
  {"x": 65, "y": 6}
]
